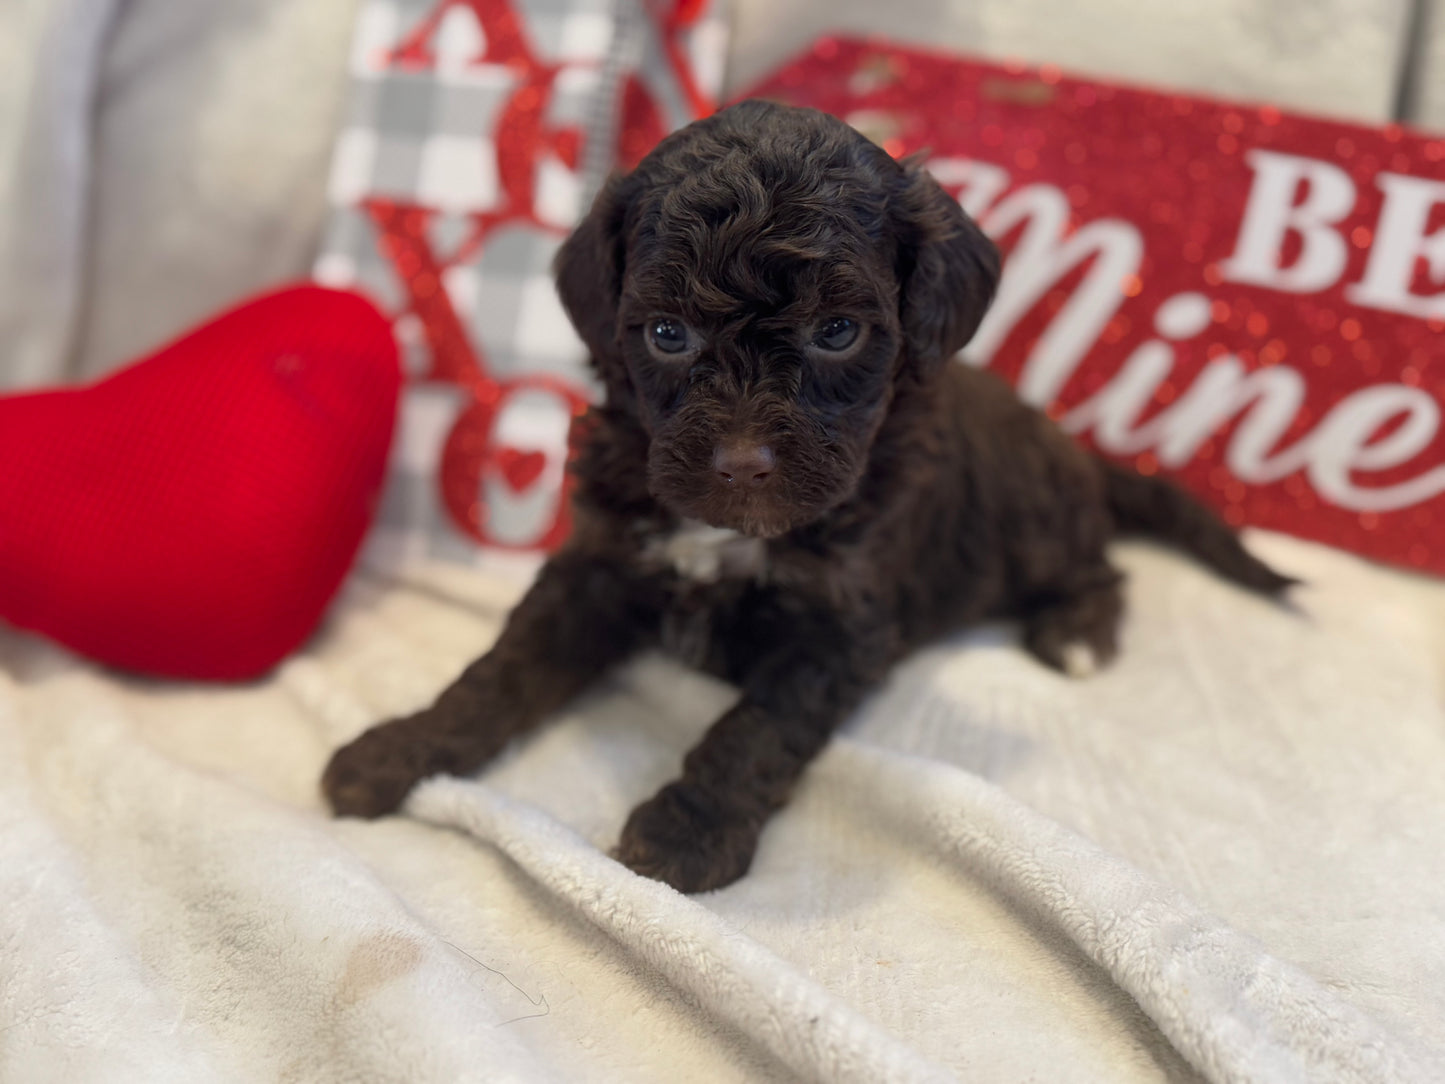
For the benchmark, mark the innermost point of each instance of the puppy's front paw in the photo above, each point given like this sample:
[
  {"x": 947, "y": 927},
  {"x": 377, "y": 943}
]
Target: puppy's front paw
[
  {"x": 373, "y": 775},
  {"x": 686, "y": 837}
]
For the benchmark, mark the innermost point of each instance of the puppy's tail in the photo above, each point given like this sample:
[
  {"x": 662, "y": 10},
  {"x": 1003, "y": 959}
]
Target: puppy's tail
[{"x": 1158, "y": 509}]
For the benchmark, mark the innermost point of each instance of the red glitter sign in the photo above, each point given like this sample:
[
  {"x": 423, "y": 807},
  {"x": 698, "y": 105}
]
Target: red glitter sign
[{"x": 1248, "y": 300}]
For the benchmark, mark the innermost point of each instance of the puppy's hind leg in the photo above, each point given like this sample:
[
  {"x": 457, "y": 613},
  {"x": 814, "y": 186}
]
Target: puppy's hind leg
[{"x": 1074, "y": 628}]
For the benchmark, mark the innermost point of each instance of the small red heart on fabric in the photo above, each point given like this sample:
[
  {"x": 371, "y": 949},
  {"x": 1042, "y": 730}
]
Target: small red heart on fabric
[
  {"x": 193, "y": 514},
  {"x": 520, "y": 469}
]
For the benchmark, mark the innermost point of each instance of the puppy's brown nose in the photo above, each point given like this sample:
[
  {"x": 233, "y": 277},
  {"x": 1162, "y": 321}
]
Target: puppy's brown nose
[{"x": 742, "y": 463}]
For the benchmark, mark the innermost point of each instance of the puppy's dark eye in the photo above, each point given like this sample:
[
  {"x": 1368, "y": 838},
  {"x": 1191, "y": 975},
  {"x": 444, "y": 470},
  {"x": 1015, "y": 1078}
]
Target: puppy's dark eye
[
  {"x": 668, "y": 336},
  {"x": 836, "y": 335}
]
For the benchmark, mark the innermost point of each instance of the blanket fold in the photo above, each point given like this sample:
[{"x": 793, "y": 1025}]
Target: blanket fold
[{"x": 1217, "y": 861}]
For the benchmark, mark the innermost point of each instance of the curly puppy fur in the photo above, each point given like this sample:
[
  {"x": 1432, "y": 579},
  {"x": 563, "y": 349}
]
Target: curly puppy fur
[{"x": 859, "y": 499}]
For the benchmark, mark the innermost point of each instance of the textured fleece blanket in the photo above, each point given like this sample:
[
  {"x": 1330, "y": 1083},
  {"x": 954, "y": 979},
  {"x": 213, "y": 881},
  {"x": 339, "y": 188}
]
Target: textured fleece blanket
[
  {"x": 1219, "y": 860},
  {"x": 1222, "y": 859}
]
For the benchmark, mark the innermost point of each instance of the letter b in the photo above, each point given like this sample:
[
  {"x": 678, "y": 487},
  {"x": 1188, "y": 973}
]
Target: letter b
[{"x": 1271, "y": 215}]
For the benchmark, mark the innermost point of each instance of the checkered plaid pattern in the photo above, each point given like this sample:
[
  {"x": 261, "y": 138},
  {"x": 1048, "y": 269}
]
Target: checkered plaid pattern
[{"x": 424, "y": 135}]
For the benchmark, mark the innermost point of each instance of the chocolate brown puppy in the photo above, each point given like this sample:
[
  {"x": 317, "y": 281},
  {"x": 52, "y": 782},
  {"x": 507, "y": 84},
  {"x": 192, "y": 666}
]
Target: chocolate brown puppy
[{"x": 788, "y": 482}]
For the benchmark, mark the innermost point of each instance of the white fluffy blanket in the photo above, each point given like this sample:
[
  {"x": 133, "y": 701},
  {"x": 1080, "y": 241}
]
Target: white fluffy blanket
[{"x": 1221, "y": 859}]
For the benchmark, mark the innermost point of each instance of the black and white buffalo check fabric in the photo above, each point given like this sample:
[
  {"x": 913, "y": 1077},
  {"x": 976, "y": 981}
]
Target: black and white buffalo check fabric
[{"x": 422, "y": 131}]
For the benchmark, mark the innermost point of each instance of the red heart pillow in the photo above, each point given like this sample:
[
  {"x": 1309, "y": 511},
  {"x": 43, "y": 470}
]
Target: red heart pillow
[{"x": 193, "y": 514}]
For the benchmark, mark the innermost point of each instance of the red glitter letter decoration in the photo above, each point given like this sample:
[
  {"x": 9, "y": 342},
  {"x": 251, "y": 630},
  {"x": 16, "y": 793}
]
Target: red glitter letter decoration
[{"x": 522, "y": 139}]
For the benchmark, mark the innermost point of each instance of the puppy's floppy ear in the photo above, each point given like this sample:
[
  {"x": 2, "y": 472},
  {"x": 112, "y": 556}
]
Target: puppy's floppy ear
[
  {"x": 588, "y": 268},
  {"x": 948, "y": 270}
]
